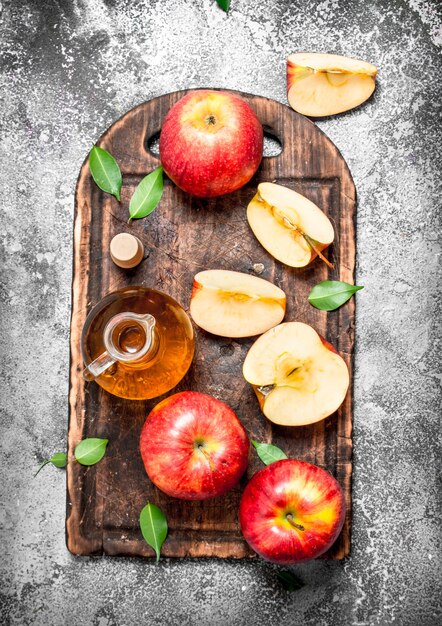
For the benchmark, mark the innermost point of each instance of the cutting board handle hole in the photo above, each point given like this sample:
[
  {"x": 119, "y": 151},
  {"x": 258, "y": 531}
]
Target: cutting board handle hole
[
  {"x": 272, "y": 145},
  {"x": 152, "y": 145}
]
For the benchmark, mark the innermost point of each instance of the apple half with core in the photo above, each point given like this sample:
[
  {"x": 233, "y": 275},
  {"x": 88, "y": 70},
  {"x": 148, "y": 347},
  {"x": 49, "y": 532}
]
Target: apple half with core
[
  {"x": 291, "y": 511},
  {"x": 234, "y": 304},
  {"x": 326, "y": 84},
  {"x": 193, "y": 446},
  {"x": 298, "y": 377},
  {"x": 288, "y": 225},
  {"x": 211, "y": 143}
]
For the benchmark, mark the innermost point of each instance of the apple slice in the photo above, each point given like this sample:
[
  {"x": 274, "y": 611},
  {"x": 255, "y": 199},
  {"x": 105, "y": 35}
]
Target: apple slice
[
  {"x": 326, "y": 84},
  {"x": 288, "y": 225},
  {"x": 233, "y": 304},
  {"x": 298, "y": 377}
]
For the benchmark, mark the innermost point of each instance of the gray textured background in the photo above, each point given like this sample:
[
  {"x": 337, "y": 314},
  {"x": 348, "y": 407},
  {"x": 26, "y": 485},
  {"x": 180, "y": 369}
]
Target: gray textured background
[{"x": 68, "y": 70}]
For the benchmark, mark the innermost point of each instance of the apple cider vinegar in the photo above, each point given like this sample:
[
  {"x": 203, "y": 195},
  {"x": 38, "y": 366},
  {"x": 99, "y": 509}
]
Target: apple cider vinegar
[{"x": 137, "y": 343}]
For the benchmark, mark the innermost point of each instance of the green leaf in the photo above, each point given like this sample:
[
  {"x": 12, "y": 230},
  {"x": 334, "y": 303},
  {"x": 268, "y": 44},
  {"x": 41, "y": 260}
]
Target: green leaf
[
  {"x": 105, "y": 171},
  {"x": 268, "y": 453},
  {"x": 224, "y": 4},
  {"x": 147, "y": 194},
  {"x": 153, "y": 526},
  {"x": 90, "y": 451},
  {"x": 59, "y": 459},
  {"x": 289, "y": 581},
  {"x": 331, "y": 294}
]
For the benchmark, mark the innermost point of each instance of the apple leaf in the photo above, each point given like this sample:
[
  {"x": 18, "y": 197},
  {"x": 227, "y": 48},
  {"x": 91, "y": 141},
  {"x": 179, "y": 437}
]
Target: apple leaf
[
  {"x": 147, "y": 194},
  {"x": 268, "y": 453},
  {"x": 224, "y": 4},
  {"x": 289, "y": 581},
  {"x": 90, "y": 451},
  {"x": 105, "y": 171},
  {"x": 153, "y": 524},
  {"x": 331, "y": 294},
  {"x": 59, "y": 459}
]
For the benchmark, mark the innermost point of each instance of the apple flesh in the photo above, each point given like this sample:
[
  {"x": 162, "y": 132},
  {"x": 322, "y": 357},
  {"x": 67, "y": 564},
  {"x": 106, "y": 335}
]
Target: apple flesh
[
  {"x": 193, "y": 446},
  {"x": 298, "y": 377},
  {"x": 288, "y": 225},
  {"x": 326, "y": 84},
  {"x": 291, "y": 511},
  {"x": 234, "y": 304},
  {"x": 211, "y": 143}
]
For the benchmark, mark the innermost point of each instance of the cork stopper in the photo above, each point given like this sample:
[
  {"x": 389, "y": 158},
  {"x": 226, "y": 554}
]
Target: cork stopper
[{"x": 126, "y": 250}]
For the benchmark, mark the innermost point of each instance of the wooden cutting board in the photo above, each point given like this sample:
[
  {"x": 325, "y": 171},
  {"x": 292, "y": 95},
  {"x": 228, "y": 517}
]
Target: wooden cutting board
[{"x": 183, "y": 236}]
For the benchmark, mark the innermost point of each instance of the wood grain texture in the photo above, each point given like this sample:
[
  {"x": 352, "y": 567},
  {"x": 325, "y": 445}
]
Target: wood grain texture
[{"x": 183, "y": 236}]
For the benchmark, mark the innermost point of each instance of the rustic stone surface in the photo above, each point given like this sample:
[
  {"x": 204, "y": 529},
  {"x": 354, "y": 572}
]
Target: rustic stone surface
[{"x": 68, "y": 70}]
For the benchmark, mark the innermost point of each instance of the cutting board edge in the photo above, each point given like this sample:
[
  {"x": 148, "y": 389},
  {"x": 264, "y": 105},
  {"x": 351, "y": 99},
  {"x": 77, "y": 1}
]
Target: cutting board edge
[{"x": 70, "y": 521}]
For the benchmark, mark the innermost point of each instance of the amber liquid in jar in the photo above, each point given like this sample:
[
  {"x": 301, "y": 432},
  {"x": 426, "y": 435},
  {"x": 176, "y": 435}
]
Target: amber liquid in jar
[{"x": 168, "y": 358}]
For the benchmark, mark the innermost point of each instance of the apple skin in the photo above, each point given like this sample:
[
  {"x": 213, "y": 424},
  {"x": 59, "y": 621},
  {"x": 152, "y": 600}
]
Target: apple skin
[
  {"x": 170, "y": 440},
  {"x": 196, "y": 286},
  {"x": 211, "y": 143},
  {"x": 328, "y": 345},
  {"x": 309, "y": 493}
]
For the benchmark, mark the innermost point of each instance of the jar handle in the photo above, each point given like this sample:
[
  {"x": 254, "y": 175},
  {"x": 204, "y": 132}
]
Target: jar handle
[{"x": 97, "y": 367}]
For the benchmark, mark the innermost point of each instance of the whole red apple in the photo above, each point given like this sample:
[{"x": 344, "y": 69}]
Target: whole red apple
[
  {"x": 211, "y": 143},
  {"x": 193, "y": 446},
  {"x": 291, "y": 511}
]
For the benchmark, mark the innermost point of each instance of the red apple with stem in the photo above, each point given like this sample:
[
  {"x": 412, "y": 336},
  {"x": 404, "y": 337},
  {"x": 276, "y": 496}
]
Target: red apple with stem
[
  {"x": 211, "y": 143},
  {"x": 193, "y": 446},
  {"x": 291, "y": 511}
]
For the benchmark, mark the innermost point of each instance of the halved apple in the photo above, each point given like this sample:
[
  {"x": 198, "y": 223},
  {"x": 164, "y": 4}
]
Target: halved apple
[
  {"x": 288, "y": 225},
  {"x": 326, "y": 84},
  {"x": 298, "y": 377},
  {"x": 233, "y": 304}
]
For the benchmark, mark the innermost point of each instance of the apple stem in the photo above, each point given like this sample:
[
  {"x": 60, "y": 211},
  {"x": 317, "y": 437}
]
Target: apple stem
[
  {"x": 291, "y": 521},
  {"x": 318, "y": 252},
  {"x": 309, "y": 242},
  {"x": 207, "y": 456}
]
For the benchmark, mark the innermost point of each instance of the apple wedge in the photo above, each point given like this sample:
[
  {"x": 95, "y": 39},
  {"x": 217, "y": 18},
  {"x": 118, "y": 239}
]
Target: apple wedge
[
  {"x": 326, "y": 84},
  {"x": 298, "y": 377},
  {"x": 288, "y": 225},
  {"x": 233, "y": 304}
]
